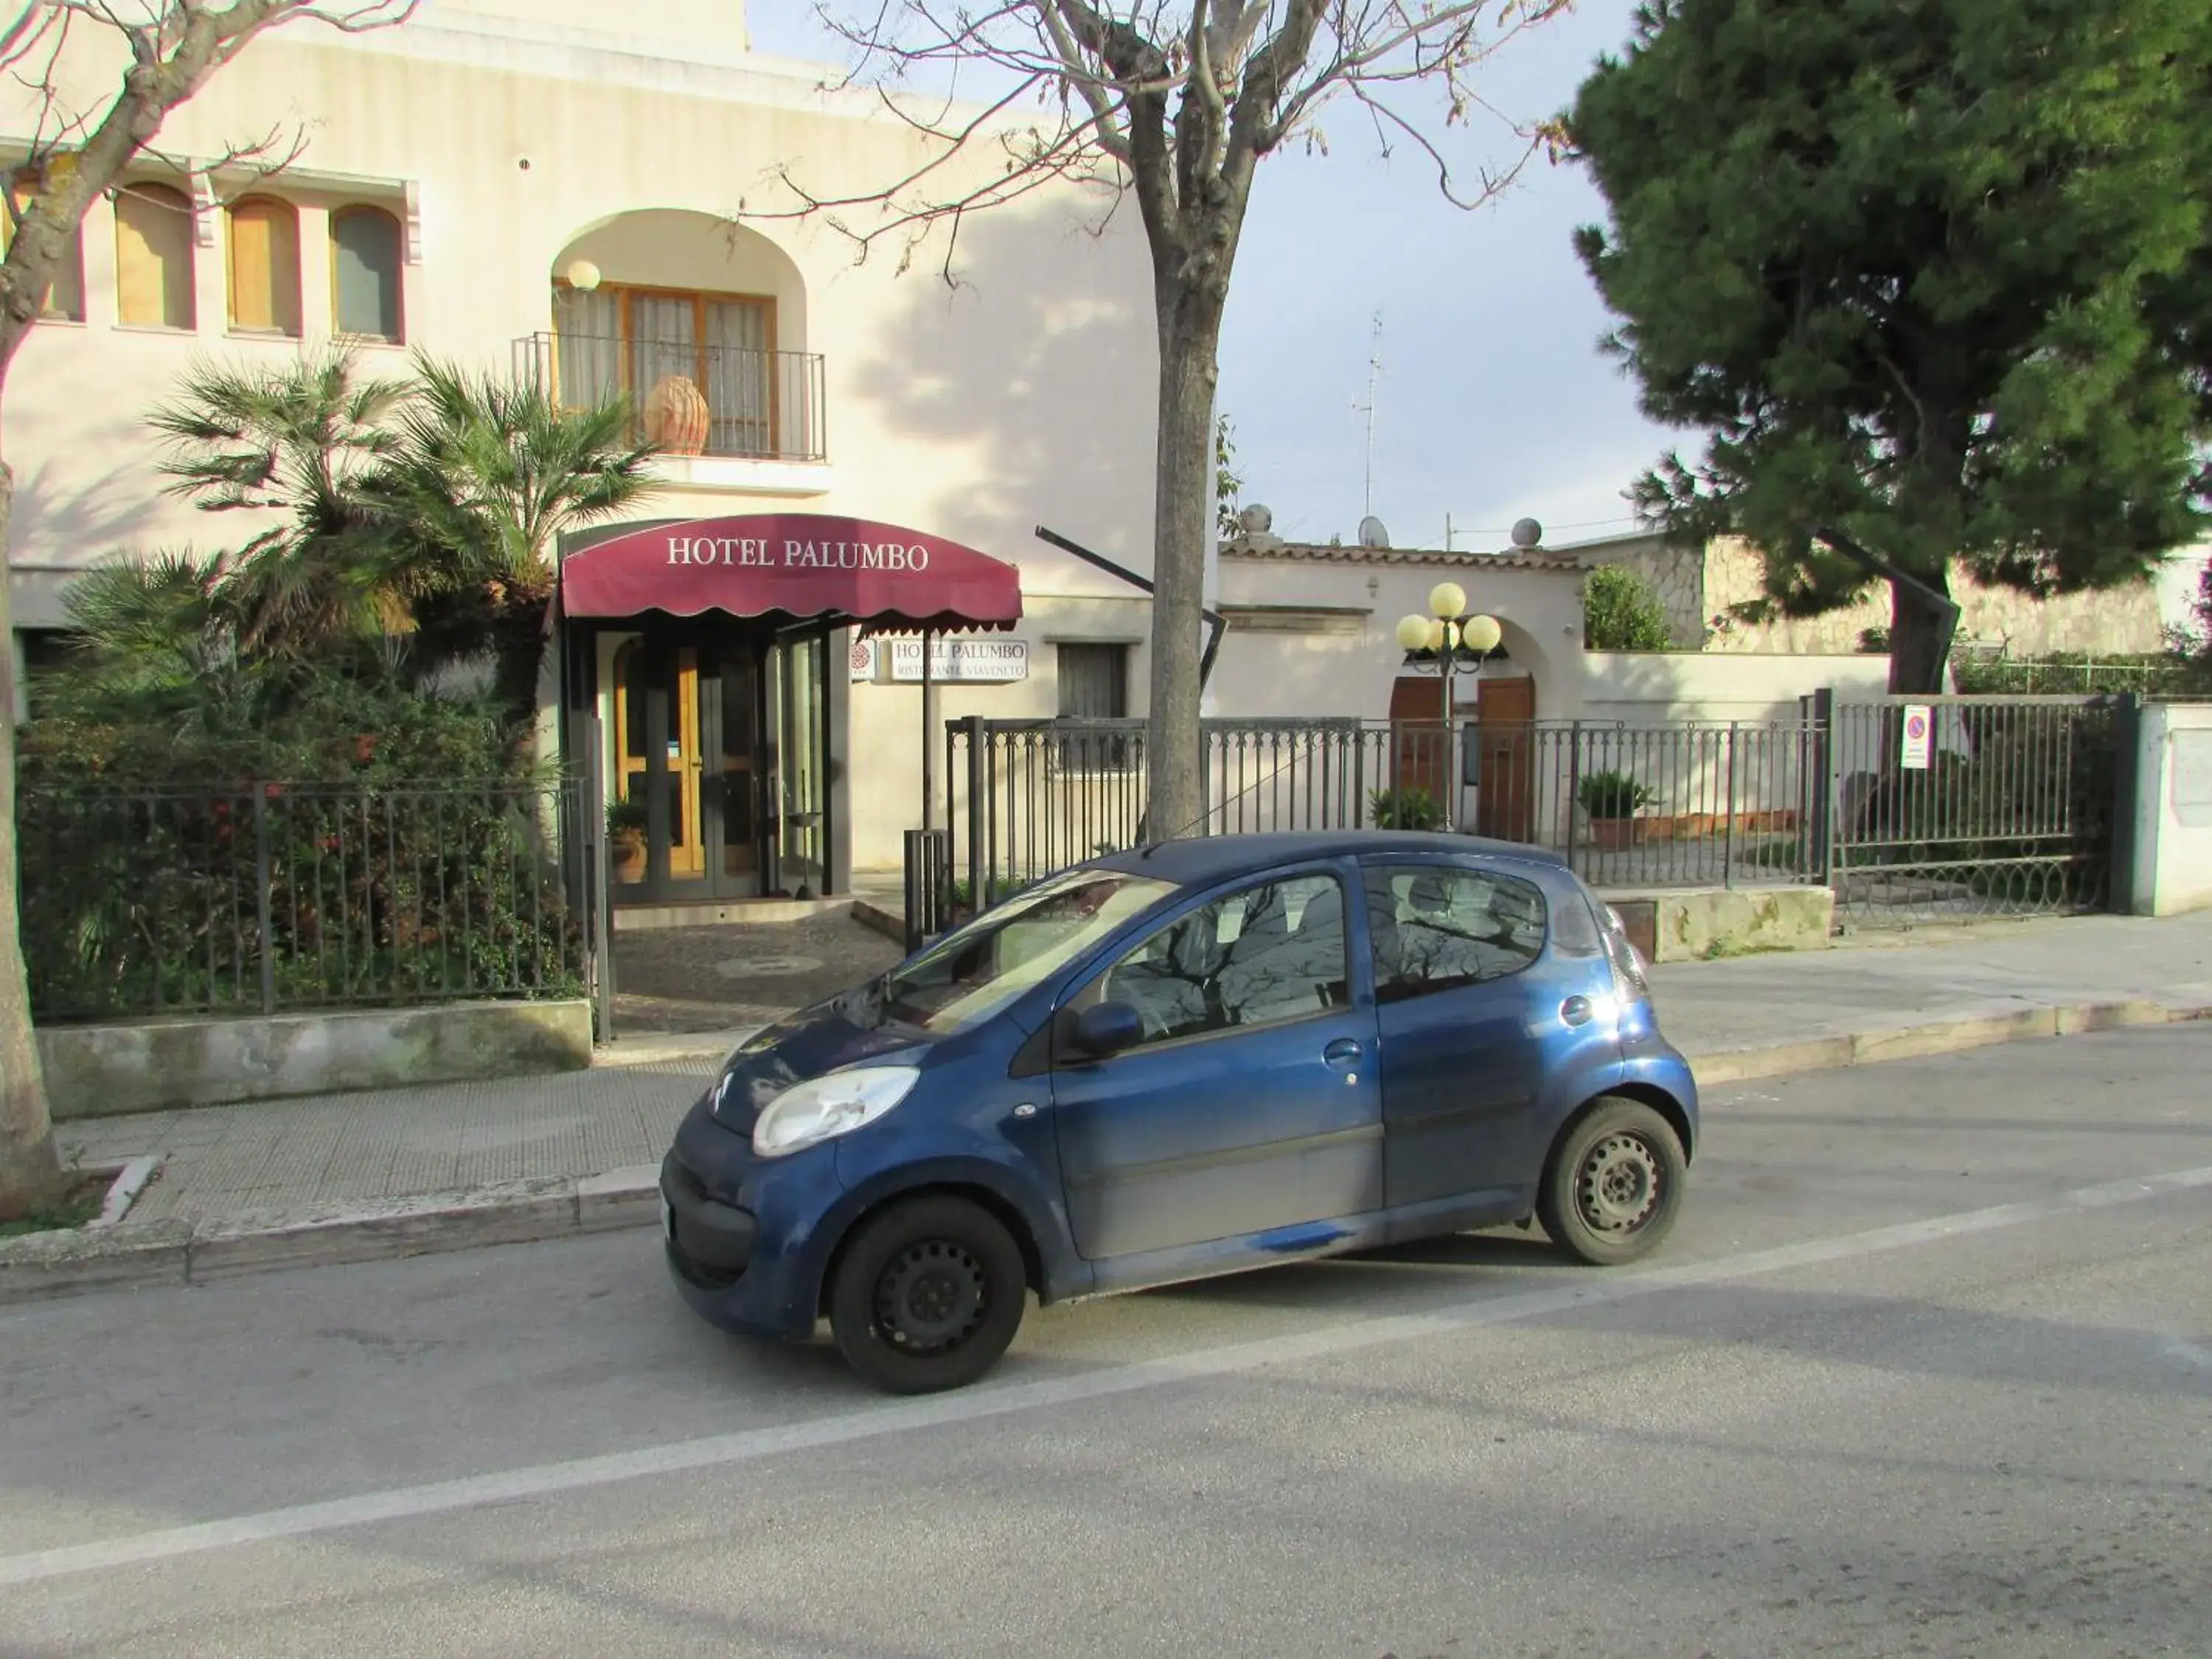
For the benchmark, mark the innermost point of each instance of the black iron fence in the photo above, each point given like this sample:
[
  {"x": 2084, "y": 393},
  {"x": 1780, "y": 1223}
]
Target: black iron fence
[
  {"x": 1953, "y": 808},
  {"x": 1993, "y": 807},
  {"x": 265, "y": 898},
  {"x": 1690, "y": 804}
]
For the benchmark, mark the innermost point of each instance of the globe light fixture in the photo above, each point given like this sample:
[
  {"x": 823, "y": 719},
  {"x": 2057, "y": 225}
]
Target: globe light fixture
[
  {"x": 1454, "y": 641},
  {"x": 1480, "y": 634},
  {"x": 583, "y": 275}
]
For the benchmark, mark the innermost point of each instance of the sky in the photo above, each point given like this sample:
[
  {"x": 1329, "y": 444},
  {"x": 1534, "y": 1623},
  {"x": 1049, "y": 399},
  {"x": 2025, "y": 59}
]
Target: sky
[{"x": 1493, "y": 401}]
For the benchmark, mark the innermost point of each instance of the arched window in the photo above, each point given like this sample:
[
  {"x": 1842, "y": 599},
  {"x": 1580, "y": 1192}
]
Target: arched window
[
  {"x": 364, "y": 273},
  {"x": 264, "y": 266},
  {"x": 154, "y": 257},
  {"x": 65, "y": 296}
]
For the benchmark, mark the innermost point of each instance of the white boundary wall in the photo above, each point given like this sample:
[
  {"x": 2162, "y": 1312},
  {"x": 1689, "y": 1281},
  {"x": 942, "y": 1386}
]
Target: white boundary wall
[{"x": 2173, "y": 810}]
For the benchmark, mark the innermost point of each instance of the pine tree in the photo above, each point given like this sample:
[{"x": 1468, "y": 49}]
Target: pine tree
[{"x": 1932, "y": 274}]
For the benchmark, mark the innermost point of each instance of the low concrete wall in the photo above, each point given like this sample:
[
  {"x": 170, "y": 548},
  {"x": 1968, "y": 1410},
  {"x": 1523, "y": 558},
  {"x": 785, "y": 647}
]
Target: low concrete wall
[
  {"x": 2173, "y": 810},
  {"x": 1694, "y": 923},
  {"x": 105, "y": 1071}
]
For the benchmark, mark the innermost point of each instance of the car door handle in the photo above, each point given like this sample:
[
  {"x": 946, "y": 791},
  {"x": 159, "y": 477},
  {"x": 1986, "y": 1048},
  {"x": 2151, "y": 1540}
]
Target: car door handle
[
  {"x": 1577, "y": 1011},
  {"x": 1342, "y": 1052}
]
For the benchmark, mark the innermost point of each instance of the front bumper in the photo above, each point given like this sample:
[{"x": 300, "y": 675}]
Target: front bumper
[
  {"x": 710, "y": 1243},
  {"x": 747, "y": 1240}
]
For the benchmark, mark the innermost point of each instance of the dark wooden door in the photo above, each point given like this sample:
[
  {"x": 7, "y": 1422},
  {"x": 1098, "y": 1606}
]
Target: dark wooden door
[
  {"x": 1416, "y": 735},
  {"x": 1505, "y": 780}
]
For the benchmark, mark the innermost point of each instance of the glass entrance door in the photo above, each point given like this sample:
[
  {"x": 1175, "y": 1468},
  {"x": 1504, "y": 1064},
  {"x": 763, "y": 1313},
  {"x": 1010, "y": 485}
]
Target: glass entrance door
[
  {"x": 799, "y": 689},
  {"x": 687, "y": 739}
]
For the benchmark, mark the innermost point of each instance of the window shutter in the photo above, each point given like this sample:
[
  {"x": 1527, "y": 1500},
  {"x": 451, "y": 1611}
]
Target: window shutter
[
  {"x": 154, "y": 257},
  {"x": 264, "y": 266},
  {"x": 364, "y": 273}
]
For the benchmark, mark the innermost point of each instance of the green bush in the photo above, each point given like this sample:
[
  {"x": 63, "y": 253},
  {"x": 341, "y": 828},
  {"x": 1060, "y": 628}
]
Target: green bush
[
  {"x": 1405, "y": 809},
  {"x": 1621, "y": 613},
  {"x": 1613, "y": 795}
]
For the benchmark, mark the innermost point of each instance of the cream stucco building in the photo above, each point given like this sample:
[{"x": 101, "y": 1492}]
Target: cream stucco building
[{"x": 548, "y": 184}]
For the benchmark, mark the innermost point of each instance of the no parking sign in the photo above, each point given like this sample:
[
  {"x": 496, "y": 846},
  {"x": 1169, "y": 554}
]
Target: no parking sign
[{"x": 1917, "y": 728}]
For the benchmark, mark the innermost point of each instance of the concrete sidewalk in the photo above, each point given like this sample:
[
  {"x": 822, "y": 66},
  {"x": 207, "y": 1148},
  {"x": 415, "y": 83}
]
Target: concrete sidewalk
[{"x": 345, "y": 1176}]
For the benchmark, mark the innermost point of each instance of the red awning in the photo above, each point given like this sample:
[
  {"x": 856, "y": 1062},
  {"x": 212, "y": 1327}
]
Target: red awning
[{"x": 795, "y": 564}]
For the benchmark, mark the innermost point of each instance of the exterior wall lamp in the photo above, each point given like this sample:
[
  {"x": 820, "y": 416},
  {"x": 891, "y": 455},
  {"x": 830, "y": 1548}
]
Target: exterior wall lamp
[{"x": 1456, "y": 643}]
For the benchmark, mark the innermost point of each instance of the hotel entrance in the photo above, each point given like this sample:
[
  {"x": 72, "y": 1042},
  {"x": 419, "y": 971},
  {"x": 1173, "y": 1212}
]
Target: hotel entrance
[
  {"x": 715, "y": 751},
  {"x": 698, "y": 658}
]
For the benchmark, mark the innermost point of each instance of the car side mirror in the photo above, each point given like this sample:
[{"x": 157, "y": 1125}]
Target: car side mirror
[{"x": 1107, "y": 1028}]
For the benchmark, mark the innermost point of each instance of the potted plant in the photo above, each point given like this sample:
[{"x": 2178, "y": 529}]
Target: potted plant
[
  {"x": 626, "y": 823},
  {"x": 1612, "y": 800},
  {"x": 1405, "y": 809}
]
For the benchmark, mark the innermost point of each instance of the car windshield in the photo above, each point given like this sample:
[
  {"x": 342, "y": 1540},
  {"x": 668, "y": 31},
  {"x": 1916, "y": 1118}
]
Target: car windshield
[{"x": 971, "y": 974}]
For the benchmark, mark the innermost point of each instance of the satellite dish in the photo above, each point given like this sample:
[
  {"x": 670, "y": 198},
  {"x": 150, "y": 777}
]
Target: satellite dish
[
  {"x": 1527, "y": 532},
  {"x": 1371, "y": 532}
]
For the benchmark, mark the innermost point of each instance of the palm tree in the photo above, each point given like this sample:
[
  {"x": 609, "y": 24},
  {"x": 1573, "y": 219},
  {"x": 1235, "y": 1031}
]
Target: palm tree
[
  {"x": 293, "y": 445},
  {"x": 485, "y": 475}
]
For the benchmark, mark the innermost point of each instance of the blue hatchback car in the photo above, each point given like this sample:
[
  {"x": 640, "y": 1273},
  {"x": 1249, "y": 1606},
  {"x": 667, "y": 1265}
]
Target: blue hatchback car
[{"x": 1188, "y": 1059}]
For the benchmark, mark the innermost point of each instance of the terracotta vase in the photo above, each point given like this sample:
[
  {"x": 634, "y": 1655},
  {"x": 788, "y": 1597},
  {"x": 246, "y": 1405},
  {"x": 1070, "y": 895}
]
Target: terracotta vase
[
  {"x": 1613, "y": 835},
  {"x": 628, "y": 848},
  {"x": 677, "y": 417}
]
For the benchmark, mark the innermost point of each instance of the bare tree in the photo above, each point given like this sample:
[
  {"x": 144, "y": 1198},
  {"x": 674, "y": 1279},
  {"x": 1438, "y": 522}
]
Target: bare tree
[
  {"x": 1175, "y": 102},
  {"x": 78, "y": 153}
]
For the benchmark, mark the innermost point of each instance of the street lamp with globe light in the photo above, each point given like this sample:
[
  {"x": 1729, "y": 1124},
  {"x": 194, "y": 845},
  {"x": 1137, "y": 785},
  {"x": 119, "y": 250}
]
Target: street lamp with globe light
[{"x": 1456, "y": 641}]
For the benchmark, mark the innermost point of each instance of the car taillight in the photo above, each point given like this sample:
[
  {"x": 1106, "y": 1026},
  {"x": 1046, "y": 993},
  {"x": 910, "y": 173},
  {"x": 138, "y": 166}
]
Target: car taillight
[{"x": 1628, "y": 983}]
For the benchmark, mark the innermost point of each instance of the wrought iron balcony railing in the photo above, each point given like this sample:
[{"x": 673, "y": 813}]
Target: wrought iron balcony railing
[{"x": 695, "y": 400}]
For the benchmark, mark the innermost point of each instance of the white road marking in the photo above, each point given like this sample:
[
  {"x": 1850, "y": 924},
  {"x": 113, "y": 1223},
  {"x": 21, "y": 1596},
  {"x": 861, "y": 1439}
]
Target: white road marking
[{"x": 978, "y": 1404}]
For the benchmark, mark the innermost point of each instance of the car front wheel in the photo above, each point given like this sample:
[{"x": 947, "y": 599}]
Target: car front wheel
[
  {"x": 927, "y": 1296},
  {"x": 1614, "y": 1184}
]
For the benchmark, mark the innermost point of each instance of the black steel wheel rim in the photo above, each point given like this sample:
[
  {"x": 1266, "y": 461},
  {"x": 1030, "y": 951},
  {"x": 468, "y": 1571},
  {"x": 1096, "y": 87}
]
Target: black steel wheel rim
[
  {"x": 930, "y": 1297},
  {"x": 1620, "y": 1183}
]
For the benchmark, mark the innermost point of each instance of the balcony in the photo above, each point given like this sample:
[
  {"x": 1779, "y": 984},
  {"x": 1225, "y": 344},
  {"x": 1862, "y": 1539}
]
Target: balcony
[{"x": 760, "y": 405}]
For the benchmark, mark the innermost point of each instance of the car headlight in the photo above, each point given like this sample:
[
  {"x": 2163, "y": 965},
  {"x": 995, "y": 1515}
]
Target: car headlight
[{"x": 824, "y": 1108}]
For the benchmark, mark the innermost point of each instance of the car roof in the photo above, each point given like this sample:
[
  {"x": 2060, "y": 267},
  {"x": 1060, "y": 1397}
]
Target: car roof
[{"x": 1218, "y": 858}]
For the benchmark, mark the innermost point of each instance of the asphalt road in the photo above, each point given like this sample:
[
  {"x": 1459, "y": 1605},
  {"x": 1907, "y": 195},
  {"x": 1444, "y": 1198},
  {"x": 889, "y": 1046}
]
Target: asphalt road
[{"x": 1927, "y": 1370}]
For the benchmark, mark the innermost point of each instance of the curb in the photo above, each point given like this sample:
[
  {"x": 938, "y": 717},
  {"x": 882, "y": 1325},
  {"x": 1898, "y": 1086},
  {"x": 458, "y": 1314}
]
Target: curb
[
  {"x": 684, "y": 1049},
  {"x": 892, "y": 924},
  {"x": 44, "y": 1265},
  {"x": 1920, "y": 1040}
]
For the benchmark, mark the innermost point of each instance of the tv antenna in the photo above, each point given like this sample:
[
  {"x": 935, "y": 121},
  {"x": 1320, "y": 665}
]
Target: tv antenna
[{"x": 1374, "y": 377}]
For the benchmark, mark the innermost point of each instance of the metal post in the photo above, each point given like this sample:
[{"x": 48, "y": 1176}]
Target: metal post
[
  {"x": 977, "y": 810},
  {"x": 2127, "y": 778},
  {"x": 1727, "y": 830},
  {"x": 1444, "y": 675},
  {"x": 263, "y": 920},
  {"x": 928, "y": 729},
  {"x": 1574, "y": 787},
  {"x": 1823, "y": 785}
]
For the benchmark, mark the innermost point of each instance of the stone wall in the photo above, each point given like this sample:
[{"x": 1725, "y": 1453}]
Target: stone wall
[
  {"x": 2120, "y": 622},
  {"x": 1676, "y": 574}
]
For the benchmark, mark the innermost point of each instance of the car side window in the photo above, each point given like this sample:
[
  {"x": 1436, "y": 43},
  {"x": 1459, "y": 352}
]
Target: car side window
[
  {"x": 1435, "y": 928},
  {"x": 1260, "y": 956}
]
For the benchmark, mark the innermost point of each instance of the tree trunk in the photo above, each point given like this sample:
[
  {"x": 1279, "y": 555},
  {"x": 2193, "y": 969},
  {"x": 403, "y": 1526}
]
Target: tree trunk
[
  {"x": 1919, "y": 639},
  {"x": 30, "y": 1168},
  {"x": 1182, "y": 522}
]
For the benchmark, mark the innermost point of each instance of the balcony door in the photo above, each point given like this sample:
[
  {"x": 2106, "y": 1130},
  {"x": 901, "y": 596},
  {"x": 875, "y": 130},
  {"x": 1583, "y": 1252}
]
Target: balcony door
[{"x": 617, "y": 339}]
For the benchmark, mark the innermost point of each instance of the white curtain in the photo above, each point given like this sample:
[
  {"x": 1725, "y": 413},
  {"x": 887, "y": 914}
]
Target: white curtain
[
  {"x": 738, "y": 392},
  {"x": 588, "y": 330}
]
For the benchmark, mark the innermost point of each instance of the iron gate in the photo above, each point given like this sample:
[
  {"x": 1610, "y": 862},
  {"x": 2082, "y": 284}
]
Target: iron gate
[{"x": 2003, "y": 806}]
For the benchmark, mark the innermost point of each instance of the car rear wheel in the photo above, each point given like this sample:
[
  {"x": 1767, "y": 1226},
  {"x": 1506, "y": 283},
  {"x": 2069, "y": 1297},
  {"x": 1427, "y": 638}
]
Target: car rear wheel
[
  {"x": 927, "y": 1296},
  {"x": 1614, "y": 1184}
]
